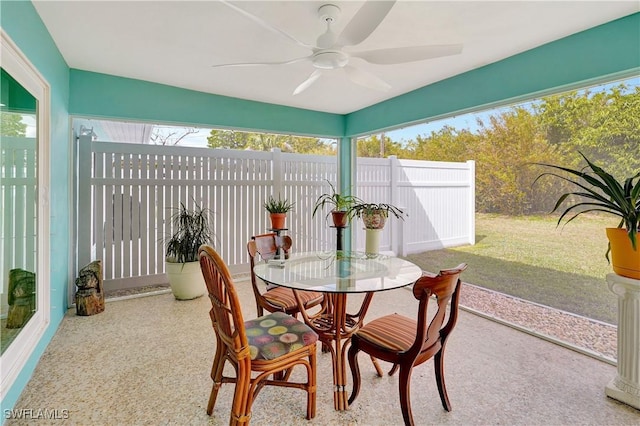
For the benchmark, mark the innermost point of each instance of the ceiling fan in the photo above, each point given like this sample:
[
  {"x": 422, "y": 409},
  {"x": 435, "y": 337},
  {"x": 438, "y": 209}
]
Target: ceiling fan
[{"x": 328, "y": 53}]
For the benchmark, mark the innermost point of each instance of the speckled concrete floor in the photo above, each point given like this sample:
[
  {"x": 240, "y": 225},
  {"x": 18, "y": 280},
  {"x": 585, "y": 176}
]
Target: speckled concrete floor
[{"x": 147, "y": 361}]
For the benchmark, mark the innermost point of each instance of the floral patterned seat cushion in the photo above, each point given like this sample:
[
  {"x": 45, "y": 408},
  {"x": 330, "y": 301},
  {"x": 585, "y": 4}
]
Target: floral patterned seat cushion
[{"x": 276, "y": 334}]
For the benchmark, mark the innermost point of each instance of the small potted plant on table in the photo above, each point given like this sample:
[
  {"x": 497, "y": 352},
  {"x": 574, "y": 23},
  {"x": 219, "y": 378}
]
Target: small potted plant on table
[
  {"x": 191, "y": 229},
  {"x": 278, "y": 211},
  {"x": 374, "y": 217}
]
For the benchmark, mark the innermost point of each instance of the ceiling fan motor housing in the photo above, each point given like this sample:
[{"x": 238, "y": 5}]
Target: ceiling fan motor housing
[{"x": 329, "y": 59}]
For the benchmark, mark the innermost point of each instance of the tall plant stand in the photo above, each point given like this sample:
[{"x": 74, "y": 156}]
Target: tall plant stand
[
  {"x": 339, "y": 232},
  {"x": 372, "y": 240},
  {"x": 278, "y": 232},
  {"x": 625, "y": 387}
]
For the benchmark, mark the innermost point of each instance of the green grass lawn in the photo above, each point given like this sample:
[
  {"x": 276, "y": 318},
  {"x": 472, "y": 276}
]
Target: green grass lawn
[{"x": 529, "y": 257}]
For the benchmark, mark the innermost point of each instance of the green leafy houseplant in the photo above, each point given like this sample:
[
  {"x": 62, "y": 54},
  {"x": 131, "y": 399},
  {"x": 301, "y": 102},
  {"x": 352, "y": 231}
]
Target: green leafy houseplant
[
  {"x": 599, "y": 191},
  {"x": 191, "y": 229},
  {"x": 278, "y": 206},
  {"x": 339, "y": 203},
  {"x": 374, "y": 215}
]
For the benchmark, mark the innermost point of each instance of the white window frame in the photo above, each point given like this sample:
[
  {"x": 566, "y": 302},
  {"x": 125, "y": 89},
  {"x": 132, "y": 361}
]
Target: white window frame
[{"x": 15, "y": 357}]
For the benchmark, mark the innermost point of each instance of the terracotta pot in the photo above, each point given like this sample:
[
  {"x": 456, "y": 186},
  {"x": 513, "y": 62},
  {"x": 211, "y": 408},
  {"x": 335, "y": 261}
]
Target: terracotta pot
[
  {"x": 278, "y": 220},
  {"x": 340, "y": 219},
  {"x": 624, "y": 259},
  {"x": 374, "y": 219}
]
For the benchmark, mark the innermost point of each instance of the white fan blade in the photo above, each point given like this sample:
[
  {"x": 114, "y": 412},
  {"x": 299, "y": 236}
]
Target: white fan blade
[
  {"x": 265, "y": 24},
  {"x": 400, "y": 55},
  {"x": 308, "y": 82},
  {"x": 251, "y": 64},
  {"x": 364, "y": 22},
  {"x": 366, "y": 79}
]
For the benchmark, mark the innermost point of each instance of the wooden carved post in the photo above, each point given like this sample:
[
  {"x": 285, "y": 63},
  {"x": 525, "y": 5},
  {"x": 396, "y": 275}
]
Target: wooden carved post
[
  {"x": 90, "y": 294},
  {"x": 22, "y": 297}
]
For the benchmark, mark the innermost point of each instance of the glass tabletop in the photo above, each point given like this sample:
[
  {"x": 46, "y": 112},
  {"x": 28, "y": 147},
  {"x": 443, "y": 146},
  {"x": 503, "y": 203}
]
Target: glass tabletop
[{"x": 339, "y": 272}]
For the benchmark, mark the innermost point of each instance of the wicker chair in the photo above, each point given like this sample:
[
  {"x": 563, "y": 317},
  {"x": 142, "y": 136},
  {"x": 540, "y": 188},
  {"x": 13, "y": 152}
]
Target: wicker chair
[
  {"x": 276, "y": 298},
  {"x": 253, "y": 357},
  {"x": 406, "y": 342}
]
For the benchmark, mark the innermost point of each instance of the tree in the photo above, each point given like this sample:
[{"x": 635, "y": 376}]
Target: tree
[
  {"x": 505, "y": 150},
  {"x": 604, "y": 125},
  {"x": 379, "y": 146},
  {"x": 447, "y": 144},
  {"x": 11, "y": 124},
  {"x": 232, "y": 139},
  {"x": 164, "y": 136}
]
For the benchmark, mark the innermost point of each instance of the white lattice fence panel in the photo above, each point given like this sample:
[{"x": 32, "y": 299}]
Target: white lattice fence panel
[
  {"x": 18, "y": 206},
  {"x": 130, "y": 191},
  {"x": 304, "y": 179}
]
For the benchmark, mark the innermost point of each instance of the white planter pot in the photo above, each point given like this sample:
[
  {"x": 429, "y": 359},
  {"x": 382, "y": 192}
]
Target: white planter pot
[
  {"x": 625, "y": 387},
  {"x": 186, "y": 280},
  {"x": 372, "y": 241}
]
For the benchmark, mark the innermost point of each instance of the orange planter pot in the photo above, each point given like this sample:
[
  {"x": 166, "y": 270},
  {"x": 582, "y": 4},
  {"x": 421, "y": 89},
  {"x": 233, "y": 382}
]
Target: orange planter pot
[
  {"x": 624, "y": 259},
  {"x": 340, "y": 219},
  {"x": 277, "y": 220}
]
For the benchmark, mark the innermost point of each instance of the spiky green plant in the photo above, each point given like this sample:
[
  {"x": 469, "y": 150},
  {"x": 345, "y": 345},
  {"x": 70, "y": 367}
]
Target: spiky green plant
[
  {"x": 191, "y": 229},
  {"x": 599, "y": 191},
  {"x": 278, "y": 206}
]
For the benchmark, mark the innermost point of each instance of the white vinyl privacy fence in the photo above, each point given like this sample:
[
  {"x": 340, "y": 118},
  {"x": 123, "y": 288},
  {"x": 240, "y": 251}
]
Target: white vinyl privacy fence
[
  {"x": 18, "y": 209},
  {"x": 438, "y": 199},
  {"x": 128, "y": 192}
]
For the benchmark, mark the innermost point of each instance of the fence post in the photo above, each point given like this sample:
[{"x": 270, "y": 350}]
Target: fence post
[
  {"x": 276, "y": 171},
  {"x": 402, "y": 245},
  {"x": 396, "y": 228},
  {"x": 84, "y": 217},
  {"x": 472, "y": 201}
]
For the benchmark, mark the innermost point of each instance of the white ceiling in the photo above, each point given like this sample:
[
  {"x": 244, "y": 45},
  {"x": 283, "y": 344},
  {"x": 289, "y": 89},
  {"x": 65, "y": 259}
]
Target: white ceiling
[{"x": 177, "y": 42}]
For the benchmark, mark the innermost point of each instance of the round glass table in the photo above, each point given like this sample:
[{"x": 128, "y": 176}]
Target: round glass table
[{"x": 338, "y": 273}]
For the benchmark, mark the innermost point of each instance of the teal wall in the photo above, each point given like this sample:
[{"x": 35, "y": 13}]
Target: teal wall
[
  {"x": 23, "y": 25},
  {"x": 607, "y": 50},
  {"x": 101, "y": 95}
]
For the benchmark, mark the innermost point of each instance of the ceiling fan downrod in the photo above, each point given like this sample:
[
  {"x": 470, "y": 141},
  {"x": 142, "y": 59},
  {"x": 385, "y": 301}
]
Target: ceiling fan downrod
[{"x": 329, "y": 14}]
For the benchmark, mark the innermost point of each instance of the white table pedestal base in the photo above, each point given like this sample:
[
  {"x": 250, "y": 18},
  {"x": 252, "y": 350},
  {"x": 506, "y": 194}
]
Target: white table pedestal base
[
  {"x": 372, "y": 241},
  {"x": 625, "y": 387}
]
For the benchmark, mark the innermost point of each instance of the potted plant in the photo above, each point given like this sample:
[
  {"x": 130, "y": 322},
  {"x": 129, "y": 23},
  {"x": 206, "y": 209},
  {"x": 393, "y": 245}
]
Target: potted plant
[
  {"x": 341, "y": 206},
  {"x": 599, "y": 191},
  {"x": 374, "y": 216},
  {"x": 278, "y": 211},
  {"x": 191, "y": 229}
]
